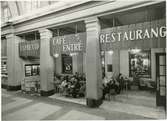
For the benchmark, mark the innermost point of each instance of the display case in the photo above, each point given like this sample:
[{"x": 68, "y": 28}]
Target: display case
[{"x": 31, "y": 82}]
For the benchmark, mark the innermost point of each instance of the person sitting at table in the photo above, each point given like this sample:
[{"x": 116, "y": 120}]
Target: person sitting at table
[
  {"x": 76, "y": 88},
  {"x": 63, "y": 86},
  {"x": 105, "y": 87},
  {"x": 82, "y": 90},
  {"x": 114, "y": 84}
]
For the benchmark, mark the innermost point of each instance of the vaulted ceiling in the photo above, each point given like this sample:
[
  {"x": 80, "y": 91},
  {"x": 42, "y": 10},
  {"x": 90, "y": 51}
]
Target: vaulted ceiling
[{"x": 17, "y": 8}]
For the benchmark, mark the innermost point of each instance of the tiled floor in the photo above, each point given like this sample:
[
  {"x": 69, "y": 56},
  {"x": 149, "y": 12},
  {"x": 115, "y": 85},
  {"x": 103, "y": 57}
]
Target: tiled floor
[
  {"x": 157, "y": 113},
  {"x": 69, "y": 99},
  {"x": 36, "y": 111},
  {"x": 77, "y": 115},
  {"x": 22, "y": 108}
]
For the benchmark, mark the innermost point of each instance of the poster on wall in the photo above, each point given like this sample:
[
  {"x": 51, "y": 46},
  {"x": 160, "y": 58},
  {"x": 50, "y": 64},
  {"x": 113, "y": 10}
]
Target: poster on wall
[
  {"x": 140, "y": 63},
  {"x": 66, "y": 64},
  {"x": 32, "y": 70}
]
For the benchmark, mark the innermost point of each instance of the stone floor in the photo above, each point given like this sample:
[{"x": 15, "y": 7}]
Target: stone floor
[{"x": 18, "y": 106}]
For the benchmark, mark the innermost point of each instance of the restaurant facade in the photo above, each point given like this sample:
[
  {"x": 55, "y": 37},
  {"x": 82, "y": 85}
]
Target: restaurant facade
[{"x": 93, "y": 38}]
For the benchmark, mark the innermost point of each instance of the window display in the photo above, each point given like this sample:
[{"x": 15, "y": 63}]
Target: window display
[
  {"x": 139, "y": 61},
  {"x": 32, "y": 70}
]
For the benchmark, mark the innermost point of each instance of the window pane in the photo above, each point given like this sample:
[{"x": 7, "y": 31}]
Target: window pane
[
  {"x": 162, "y": 80},
  {"x": 162, "y": 60},
  {"x": 162, "y": 70}
]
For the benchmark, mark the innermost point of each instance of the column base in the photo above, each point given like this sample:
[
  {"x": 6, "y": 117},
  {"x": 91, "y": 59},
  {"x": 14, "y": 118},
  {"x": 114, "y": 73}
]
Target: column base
[
  {"x": 47, "y": 93},
  {"x": 13, "y": 88},
  {"x": 93, "y": 103}
]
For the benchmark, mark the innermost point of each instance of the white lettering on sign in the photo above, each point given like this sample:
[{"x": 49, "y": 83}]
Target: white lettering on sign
[
  {"x": 72, "y": 47},
  {"x": 133, "y": 35},
  {"x": 68, "y": 43},
  {"x": 59, "y": 40},
  {"x": 27, "y": 47}
]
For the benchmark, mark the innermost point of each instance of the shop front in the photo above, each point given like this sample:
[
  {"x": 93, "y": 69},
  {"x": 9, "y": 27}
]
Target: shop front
[
  {"x": 29, "y": 53},
  {"x": 68, "y": 52},
  {"x": 136, "y": 51},
  {"x": 130, "y": 38}
]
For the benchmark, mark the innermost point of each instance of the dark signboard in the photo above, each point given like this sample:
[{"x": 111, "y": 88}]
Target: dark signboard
[
  {"x": 29, "y": 49},
  {"x": 142, "y": 35},
  {"x": 68, "y": 44}
]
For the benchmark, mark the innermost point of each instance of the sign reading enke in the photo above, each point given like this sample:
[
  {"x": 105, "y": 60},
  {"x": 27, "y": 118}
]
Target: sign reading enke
[
  {"x": 142, "y": 35},
  {"x": 31, "y": 48},
  {"x": 68, "y": 43}
]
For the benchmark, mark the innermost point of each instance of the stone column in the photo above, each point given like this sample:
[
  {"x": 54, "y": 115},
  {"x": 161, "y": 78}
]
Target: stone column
[
  {"x": 46, "y": 63},
  {"x": 14, "y": 63},
  {"x": 93, "y": 63}
]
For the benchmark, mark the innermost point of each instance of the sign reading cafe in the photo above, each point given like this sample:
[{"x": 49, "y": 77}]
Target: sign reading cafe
[{"x": 68, "y": 43}]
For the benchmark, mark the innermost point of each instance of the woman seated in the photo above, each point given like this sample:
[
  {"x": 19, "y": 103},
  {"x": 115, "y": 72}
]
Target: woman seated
[
  {"x": 75, "y": 88},
  {"x": 82, "y": 90},
  {"x": 110, "y": 85},
  {"x": 63, "y": 86},
  {"x": 106, "y": 88}
]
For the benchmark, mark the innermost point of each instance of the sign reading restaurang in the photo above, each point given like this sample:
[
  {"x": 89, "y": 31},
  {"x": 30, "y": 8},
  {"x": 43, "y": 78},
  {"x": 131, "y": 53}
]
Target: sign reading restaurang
[
  {"x": 149, "y": 33},
  {"x": 68, "y": 43}
]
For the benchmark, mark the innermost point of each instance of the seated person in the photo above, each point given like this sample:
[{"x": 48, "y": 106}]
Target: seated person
[
  {"x": 105, "y": 87},
  {"x": 82, "y": 90},
  {"x": 114, "y": 84},
  {"x": 62, "y": 86},
  {"x": 75, "y": 86}
]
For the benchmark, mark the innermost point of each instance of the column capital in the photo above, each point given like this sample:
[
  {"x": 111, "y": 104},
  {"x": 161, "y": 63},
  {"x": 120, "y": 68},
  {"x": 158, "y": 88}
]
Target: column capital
[
  {"x": 92, "y": 23},
  {"x": 9, "y": 35},
  {"x": 91, "y": 20},
  {"x": 45, "y": 33}
]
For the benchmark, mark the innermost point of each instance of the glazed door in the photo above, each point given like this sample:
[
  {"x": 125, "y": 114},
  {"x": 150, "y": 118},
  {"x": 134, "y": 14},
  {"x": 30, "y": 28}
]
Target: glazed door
[{"x": 161, "y": 79}]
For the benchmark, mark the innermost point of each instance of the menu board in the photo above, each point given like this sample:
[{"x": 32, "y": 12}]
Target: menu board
[
  {"x": 32, "y": 69},
  {"x": 27, "y": 70}
]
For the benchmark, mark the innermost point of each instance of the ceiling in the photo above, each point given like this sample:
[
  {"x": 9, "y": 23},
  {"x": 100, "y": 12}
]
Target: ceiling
[{"x": 135, "y": 16}]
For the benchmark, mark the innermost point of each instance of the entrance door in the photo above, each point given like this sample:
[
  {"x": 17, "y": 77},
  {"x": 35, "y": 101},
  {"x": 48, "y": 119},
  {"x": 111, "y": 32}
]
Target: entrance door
[{"x": 161, "y": 79}]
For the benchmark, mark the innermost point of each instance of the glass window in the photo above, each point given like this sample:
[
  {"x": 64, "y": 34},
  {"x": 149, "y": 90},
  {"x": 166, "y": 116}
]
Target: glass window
[
  {"x": 32, "y": 70},
  {"x": 139, "y": 61},
  {"x": 6, "y": 14}
]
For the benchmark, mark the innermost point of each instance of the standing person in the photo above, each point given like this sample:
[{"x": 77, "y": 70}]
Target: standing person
[{"x": 120, "y": 79}]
